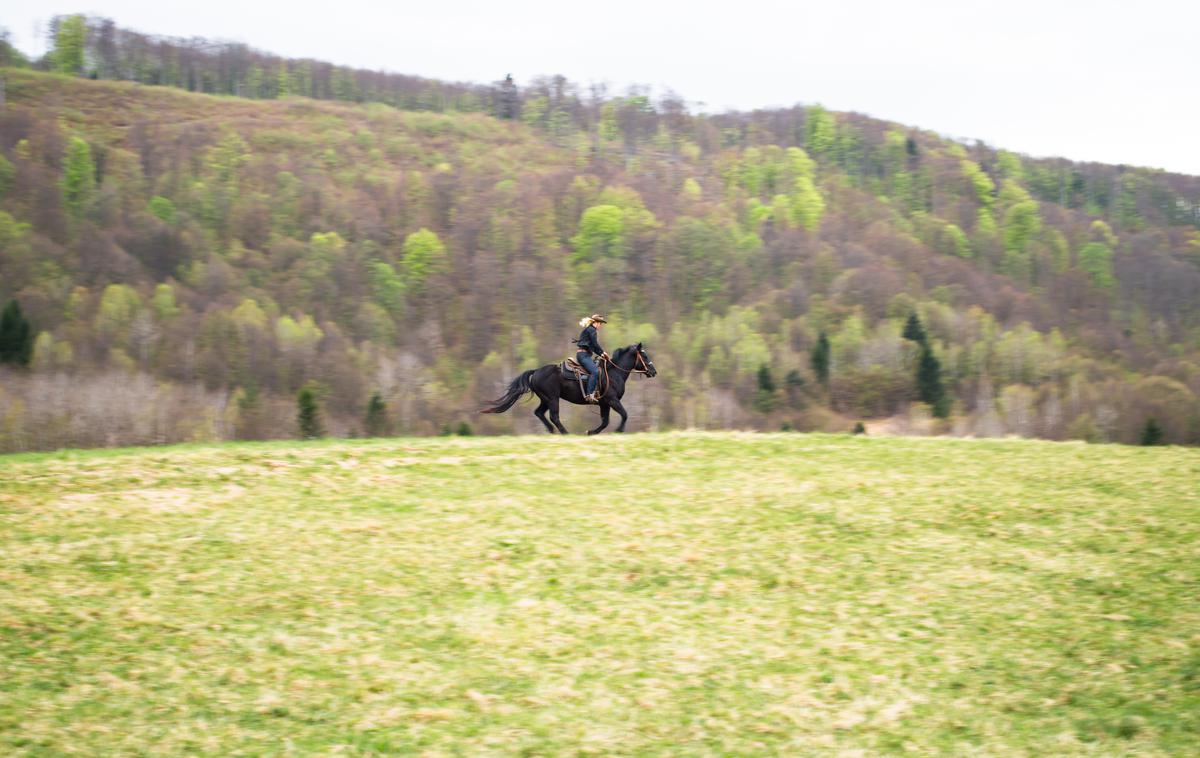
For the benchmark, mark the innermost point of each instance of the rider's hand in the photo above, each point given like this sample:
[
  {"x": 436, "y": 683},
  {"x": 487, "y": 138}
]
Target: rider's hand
[{"x": 605, "y": 356}]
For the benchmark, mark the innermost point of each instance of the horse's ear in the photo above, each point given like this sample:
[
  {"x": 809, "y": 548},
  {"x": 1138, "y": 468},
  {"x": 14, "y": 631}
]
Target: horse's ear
[{"x": 639, "y": 346}]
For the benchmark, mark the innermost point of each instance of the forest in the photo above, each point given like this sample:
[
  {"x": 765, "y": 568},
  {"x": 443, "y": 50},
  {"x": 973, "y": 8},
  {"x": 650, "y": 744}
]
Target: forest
[{"x": 195, "y": 234}]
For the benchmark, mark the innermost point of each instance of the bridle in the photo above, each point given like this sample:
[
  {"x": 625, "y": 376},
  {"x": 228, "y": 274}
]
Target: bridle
[{"x": 642, "y": 366}]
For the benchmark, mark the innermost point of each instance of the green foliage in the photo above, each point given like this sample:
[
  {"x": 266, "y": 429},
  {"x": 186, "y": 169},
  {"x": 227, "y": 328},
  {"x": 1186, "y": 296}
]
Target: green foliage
[
  {"x": 1010, "y": 165},
  {"x": 70, "y": 42},
  {"x": 982, "y": 184},
  {"x": 163, "y": 302},
  {"x": 1095, "y": 260},
  {"x": 424, "y": 255},
  {"x": 820, "y": 130},
  {"x": 16, "y": 336},
  {"x": 387, "y": 288},
  {"x": 913, "y": 330},
  {"x": 161, "y": 208},
  {"x": 79, "y": 176},
  {"x": 765, "y": 399},
  {"x": 807, "y": 204},
  {"x": 819, "y": 359},
  {"x": 295, "y": 255},
  {"x": 929, "y": 382},
  {"x": 308, "y": 415},
  {"x": 961, "y": 246},
  {"x": 7, "y": 172},
  {"x": 601, "y": 234},
  {"x": 118, "y": 305}
]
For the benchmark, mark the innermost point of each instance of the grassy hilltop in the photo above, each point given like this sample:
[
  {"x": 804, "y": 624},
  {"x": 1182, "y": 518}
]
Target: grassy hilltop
[{"x": 662, "y": 594}]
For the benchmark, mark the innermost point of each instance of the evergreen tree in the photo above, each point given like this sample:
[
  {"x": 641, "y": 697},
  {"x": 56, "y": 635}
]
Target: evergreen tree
[
  {"x": 794, "y": 387},
  {"x": 464, "y": 429},
  {"x": 376, "y": 424},
  {"x": 929, "y": 383},
  {"x": 1152, "y": 433},
  {"x": 820, "y": 359},
  {"x": 913, "y": 330},
  {"x": 308, "y": 417},
  {"x": 16, "y": 336},
  {"x": 764, "y": 399}
]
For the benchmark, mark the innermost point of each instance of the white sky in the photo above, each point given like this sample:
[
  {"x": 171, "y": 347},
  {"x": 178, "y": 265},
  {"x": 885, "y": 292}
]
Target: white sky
[{"x": 1105, "y": 80}]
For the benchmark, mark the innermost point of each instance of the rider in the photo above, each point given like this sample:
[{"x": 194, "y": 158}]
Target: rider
[{"x": 589, "y": 346}]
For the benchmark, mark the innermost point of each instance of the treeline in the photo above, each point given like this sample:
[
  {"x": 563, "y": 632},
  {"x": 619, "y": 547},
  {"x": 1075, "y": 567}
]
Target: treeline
[{"x": 233, "y": 254}]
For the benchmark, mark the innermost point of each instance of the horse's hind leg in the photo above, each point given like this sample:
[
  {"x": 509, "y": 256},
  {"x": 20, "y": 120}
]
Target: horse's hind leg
[
  {"x": 604, "y": 408},
  {"x": 541, "y": 414},
  {"x": 554, "y": 416}
]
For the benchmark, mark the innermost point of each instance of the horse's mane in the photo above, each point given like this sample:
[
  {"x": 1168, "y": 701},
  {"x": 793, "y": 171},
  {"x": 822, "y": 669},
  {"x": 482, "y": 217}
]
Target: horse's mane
[{"x": 621, "y": 351}]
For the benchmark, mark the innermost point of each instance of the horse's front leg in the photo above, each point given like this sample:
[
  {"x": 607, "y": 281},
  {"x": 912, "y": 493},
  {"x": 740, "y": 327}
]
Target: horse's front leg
[
  {"x": 620, "y": 409},
  {"x": 604, "y": 408}
]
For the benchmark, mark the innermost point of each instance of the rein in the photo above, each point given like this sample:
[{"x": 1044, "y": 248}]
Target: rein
[{"x": 640, "y": 367}]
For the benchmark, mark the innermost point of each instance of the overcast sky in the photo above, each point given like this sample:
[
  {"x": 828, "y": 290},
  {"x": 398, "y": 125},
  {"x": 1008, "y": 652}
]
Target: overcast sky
[{"x": 1110, "y": 81}]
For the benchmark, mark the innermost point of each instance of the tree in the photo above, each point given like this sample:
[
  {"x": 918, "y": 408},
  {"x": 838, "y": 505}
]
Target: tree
[
  {"x": 424, "y": 254},
  {"x": 79, "y": 176},
  {"x": 820, "y": 359},
  {"x": 913, "y": 330},
  {"x": 764, "y": 399},
  {"x": 1095, "y": 260},
  {"x": 376, "y": 423},
  {"x": 16, "y": 336},
  {"x": 1152, "y": 433},
  {"x": 308, "y": 416},
  {"x": 70, "y": 41},
  {"x": 929, "y": 383},
  {"x": 601, "y": 234},
  {"x": 820, "y": 131}
]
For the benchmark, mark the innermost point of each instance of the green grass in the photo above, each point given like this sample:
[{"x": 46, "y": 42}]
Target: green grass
[{"x": 658, "y": 594}]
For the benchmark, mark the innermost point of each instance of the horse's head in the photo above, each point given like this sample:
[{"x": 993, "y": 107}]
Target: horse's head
[{"x": 644, "y": 361}]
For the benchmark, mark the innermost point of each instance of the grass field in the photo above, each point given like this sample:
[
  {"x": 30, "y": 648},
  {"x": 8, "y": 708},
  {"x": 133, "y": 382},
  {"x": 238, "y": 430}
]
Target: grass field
[{"x": 651, "y": 595}]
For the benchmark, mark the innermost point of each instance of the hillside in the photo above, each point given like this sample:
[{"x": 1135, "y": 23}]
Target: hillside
[
  {"x": 698, "y": 594},
  {"x": 188, "y": 262}
]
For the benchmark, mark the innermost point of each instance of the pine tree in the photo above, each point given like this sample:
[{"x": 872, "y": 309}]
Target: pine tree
[
  {"x": 764, "y": 399},
  {"x": 16, "y": 336},
  {"x": 1152, "y": 433},
  {"x": 376, "y": 423},
  {"x": 929, "y": 383},
  {"x": 820, "y": 359},
  {"x": 308, "y": 417},
  {"x": 913, "y": 330}
]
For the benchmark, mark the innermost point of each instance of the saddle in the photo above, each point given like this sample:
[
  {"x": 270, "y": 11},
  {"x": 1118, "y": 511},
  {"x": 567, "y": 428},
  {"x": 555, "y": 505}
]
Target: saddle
[{"x": 572, "y": 371}]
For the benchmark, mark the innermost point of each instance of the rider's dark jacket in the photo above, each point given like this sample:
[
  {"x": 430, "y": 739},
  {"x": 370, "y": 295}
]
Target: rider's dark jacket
[{"x": 588, "y": 343}]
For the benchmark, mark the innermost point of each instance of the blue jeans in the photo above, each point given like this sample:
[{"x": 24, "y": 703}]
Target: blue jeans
[{"x": 586, "y": 361}]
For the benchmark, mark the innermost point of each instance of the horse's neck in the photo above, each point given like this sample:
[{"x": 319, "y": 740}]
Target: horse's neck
[{"x": 627, "y": 360}]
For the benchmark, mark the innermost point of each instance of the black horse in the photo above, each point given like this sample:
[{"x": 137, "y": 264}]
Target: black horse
[{"x": 549, "y": 384}]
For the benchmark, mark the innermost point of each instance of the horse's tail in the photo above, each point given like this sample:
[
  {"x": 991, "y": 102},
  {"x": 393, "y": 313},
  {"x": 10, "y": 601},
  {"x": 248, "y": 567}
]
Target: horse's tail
[{"x": 519, "y": 387}]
